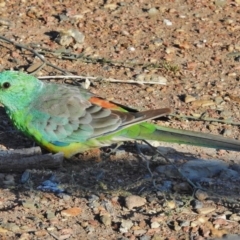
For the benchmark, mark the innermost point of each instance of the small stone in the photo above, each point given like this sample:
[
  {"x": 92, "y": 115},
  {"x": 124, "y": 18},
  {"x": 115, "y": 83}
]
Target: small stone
[
  {"x": 218, "y": 100},
  {"x": 50, "y": 214},
  {"x": 227, "y": 132},
  {"x": 206, "y": 210},
  {"x": 153, "y": 11},
  {"x": 194, "y": 224},
  {"x": 201, "y": 195},
  {"x": 234, "y": 217},
  {"x": 167, "y": 22},
  {"x": 139, "y": 232},
  {"x": 71, "y": 212},
  {"x": 29, "y": 204},
  {"x": 111, "y": 6},
  {"x": 184, "y": 223},
  {"x": 106, "y": 220},
  {"x": 125, "y": 226},
  {"x": 203, "y": 103},
  {"x": 189, "y": 98},
  {"x": 134, "y": 201},
  {"x": 170, "y": 50},
  {"x": 64, "y": 196},
  {"x": 171, "y": 204},
  {"x": 202, "y": 219},
  {"x": 196, "y": 204},
  {"x": 145, "y": 237},
  {"x": 158, "y": 237},
  {"x": 155, "y": 225},
  {"x": 41, "y": 233},
  {"x": 9, "y": 180}
]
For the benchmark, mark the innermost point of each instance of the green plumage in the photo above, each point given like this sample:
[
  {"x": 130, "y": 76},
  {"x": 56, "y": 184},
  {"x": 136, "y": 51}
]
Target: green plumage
[{"x": 70, "y": 119}]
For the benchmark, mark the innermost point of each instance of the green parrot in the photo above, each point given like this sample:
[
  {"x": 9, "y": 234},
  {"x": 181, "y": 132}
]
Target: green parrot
[{"x": 69, "y": 119}]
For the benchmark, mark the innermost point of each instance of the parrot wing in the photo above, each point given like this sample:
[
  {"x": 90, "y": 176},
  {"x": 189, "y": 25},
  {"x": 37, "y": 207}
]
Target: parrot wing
[{"x": 70, "y": 115}]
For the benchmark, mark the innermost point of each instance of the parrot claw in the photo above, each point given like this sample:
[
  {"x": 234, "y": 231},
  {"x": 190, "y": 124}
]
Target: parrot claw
[{"x": 112, "y": 150}]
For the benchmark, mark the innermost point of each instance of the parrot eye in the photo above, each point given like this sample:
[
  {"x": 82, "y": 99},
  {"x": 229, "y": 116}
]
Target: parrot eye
[{"x": 6, "y": 85}]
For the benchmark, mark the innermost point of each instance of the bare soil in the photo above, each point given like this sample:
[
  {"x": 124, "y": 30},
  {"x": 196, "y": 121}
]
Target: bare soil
[{"x": 195, "y": 46}]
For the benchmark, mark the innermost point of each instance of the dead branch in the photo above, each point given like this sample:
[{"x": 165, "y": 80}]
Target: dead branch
[{"x": 47, "y": 161}]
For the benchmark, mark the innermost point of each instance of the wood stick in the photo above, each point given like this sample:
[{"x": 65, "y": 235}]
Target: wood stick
[{"x": 8, "y": 163}]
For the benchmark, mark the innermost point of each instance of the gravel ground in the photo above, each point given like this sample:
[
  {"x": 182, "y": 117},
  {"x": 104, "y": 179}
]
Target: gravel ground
[{"x": 193, "y": 46}]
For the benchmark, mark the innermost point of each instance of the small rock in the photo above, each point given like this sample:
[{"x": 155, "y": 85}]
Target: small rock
[
  {"x": 125, "y": 226},
  {"x": 145, "y": 237},
  {"x": 25, "y": 177},
  {"x": 134, "y": 201},
  {"x": 205, "y": 210},
  {"x": 50, "y": 214},
  {"x": 155, "y": 225},
  {"x": 139, "y": 232},
  {"x": 194, "y": 224},
  {"x": 202, "y": 219},
  {"x": 201, "y": 195},
  {"x": 29, "y": 204},
  {"x": 184, "y": 223},
  {"x": 9, "y": 180},
  {"x": 196, "y": 204},
  {"x": 171, "y": 204},
  {"x": 234, "y": 217},
  {"x": 202, "y": 103},
  {"x": 71, "y": 212},
  {"x": 153, "y": 11},
  {"x": 227, "y": 132},
  {"x": 189, "y": 98},
  {"x": 167, "y": 22},
  {"x": 64, "y": 196},
  {"x": 106, "y": 220}
]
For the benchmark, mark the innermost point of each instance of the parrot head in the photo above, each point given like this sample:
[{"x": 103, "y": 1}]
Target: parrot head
[{"x": 17, "y": 89}]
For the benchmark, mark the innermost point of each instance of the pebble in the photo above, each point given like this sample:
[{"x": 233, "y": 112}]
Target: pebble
[
  {"x": 158, "y": 237},
  {"x": 167, "y": 22},
  {"x": 145, "y": 237},
  {"x": 125, "y": 226},
  {"x": 9, "y": 180},
  {"x": 171, "y": 204},
  {"x": 196, "y": 204},
  {"x": 25, "y": 177},
  {"x": 134, "y": 201},
  {"x": 201, "y": 195},
  {"x": 12, "y": 227},
  {"x": 227, "y": 132},
  {"x": 106, "y": 220},
  {"x": 50, "y": 214},
  {"x": 29, "y": 204},
  {"x": 202, "y": 103},
  {"x": 155, "y": 225},
  {"x": 153, "y": 11},
  {"x": 64, "y": 196},
  {"x": 139, "y": 232},
  {"x": 184, "y": 223},
  {"x": 205, "y": 210},
  {"x": 71, "y": 212},
  {"x": 189, "y": 98},
  {"x": 234, "y": 217}
]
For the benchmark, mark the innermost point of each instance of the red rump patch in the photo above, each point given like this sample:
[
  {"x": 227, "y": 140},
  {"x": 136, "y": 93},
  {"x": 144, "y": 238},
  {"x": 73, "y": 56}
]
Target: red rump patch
[{"x": 105, "y": 104}]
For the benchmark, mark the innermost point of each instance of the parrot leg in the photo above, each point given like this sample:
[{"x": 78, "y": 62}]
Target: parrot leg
[{"x": 113, "y": 150}]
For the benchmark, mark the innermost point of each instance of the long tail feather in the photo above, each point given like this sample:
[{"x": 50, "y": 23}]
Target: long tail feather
[{"x": 167, "y": 134}]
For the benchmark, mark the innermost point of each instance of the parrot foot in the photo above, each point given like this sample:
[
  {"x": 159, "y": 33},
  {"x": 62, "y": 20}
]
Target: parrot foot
[{"x": 113, "y": 150}]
